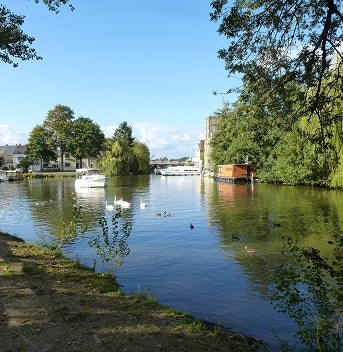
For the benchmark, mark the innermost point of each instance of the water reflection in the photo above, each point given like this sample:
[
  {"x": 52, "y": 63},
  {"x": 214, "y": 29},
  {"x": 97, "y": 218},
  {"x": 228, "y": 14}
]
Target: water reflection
[{"x": 202, "y": 271}]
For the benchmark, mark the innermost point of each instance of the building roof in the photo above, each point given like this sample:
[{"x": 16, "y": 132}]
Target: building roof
[
  {"x": 20, "y": 149},
  {"x": 12, "y": 149}
]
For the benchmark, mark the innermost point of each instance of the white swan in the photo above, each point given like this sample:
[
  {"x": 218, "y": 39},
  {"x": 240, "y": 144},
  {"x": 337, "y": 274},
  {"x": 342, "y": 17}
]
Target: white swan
[
  {"x": 109, "y": 206},
  {"x": 124, "y": 204},
  {"x": 116, "y": 202},
  {"x": 142, "y": 204}
]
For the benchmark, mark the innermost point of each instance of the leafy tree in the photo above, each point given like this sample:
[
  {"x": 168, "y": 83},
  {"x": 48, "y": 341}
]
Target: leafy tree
[
  {"x": 86, "y": 139},
  {"x": 287, "y": 41},
  {"x": 54, "y": 5},
  {"x": 123, "y": 137},
  {"x": 308, "y": 288},
  {"x": 25, "y": 163},
  {"x": 58, "y": 124},
  {"x": 141, "y": 162},
  {"x": 267, "y": 128},
  {"x": 124, "y": 132},
  {"x": 122, "y": 154},
  {"x": 39, "y": 147},
  {"x": 14, "y": 43},
  {"x": 249, "y": 129},
  {"x": 111, "y": 161}
]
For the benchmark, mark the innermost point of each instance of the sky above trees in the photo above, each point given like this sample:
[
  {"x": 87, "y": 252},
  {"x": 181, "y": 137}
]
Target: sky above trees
[{"x": 152, "y": 64}]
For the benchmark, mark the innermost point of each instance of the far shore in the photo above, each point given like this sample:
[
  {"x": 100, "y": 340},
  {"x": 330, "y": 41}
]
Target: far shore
[{"x": 48, "y": 174}]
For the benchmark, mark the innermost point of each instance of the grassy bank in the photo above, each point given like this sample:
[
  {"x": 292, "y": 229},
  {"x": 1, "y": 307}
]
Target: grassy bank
[
  {"x": 51, "y": 303},
  {"x": 49, "y": 174}
]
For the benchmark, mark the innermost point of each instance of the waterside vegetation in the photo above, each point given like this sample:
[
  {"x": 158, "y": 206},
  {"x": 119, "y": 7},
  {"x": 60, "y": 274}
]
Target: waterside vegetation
[{"x": 288, "y": 116}]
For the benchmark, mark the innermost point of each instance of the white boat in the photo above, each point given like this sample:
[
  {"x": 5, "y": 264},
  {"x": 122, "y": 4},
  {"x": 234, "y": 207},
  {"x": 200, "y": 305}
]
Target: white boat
[
  {"x": 180, "y": 171},
  {"x": 90, "y": 178}
]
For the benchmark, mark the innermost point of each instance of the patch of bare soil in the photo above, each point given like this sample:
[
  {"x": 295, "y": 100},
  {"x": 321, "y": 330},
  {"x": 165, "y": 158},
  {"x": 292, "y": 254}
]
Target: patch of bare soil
[{"x": 53, "y": 304}]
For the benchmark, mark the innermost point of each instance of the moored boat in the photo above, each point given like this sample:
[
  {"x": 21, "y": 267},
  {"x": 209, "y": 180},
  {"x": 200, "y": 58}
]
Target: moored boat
[
  {"x": 14, "y": 175},
  {"x": 180, "y": 171},
  {"x": 90, "y": 178}
]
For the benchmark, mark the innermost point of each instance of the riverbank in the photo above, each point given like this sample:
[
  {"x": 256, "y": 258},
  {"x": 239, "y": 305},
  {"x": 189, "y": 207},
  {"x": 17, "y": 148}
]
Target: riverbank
[
  {"x": 53, "y": 304},
  {"x": 45, "y": 174}
]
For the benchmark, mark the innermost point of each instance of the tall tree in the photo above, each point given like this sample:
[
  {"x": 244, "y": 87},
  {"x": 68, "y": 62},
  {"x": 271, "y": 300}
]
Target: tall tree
[
  {"x": 14, "y": 43},
  {"x": 86, "y": 139},
  {"x": 124, "y": 132},
  {"x": 123, "y": 136},
  {"x": 39, "y": 146},
  {"x": 58, "y": 124},
  {"x": 287, "y": 41},
  {"x": 123, "y": 154},
  {"x": 141, "y": 162}
]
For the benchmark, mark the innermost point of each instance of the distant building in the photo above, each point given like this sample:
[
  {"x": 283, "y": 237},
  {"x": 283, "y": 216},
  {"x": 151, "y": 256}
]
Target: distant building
[
  {"x": 11, "y": 155},
  {"x": 199, "y": 154},
  {"x": 18, "y": 154},
  {"x": 211, "y": 123}
]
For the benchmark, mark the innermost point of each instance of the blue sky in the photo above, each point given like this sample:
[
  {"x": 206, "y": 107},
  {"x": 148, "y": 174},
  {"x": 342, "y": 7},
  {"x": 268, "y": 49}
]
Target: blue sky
[{"x": 151, "y": 63}]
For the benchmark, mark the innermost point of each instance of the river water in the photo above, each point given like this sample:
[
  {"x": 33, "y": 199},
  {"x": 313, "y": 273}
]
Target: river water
[{"x": 199, "y": 270}]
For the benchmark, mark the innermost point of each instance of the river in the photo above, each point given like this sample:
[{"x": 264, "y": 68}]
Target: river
[{"x": 198, "y": 270}]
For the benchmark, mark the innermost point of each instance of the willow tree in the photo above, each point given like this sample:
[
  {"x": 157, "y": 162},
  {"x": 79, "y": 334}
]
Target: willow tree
[
  {"x": 287, "y": 41},
  {"x": 112, "y": 161},
  {"x": 141, "y": 162}
]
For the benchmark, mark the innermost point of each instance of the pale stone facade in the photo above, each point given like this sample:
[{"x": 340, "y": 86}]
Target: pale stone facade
[{"x": 211, "y": 123}]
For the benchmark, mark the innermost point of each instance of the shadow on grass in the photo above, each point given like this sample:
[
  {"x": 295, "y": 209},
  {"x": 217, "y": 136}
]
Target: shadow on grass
[{"x": 54, "y": 304}]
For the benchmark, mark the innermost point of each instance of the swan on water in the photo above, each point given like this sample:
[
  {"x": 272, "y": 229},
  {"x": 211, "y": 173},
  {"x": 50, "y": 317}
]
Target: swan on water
[
  {"x": 142, "y": 204},
  {"x": 109, "y": 206}
]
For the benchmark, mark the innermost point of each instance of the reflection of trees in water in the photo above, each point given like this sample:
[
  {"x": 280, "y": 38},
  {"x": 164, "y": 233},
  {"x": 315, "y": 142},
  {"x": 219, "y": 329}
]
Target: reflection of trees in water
[
  {"x": 54, "y": 201},
  {"x": 302, "y": 281},
  {"x": 308, "y": 288}
]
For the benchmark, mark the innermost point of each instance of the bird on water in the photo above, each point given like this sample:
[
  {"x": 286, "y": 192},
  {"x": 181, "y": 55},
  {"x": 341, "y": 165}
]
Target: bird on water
[{"x": 250, "y": 250}]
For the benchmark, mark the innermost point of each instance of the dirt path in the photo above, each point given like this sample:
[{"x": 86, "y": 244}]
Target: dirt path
[{"x": 52, "y": 304}]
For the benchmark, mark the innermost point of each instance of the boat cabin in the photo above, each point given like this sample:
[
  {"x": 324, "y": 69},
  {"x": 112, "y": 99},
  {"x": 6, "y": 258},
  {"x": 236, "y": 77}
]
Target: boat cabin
[{"x": 236, "y": 172}]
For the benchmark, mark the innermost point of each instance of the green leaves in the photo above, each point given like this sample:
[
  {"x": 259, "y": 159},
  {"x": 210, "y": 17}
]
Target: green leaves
[
  {"x": 14, "y": 43},
  {"x": 308, "y": 288},
  {"x": 276, "y": 43},
  {"x": 85, "y": 139},
  {"x": 123, "y": 154},
  {"x": 111, "y": 245},
  {"x": 40, "y": 146}
]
